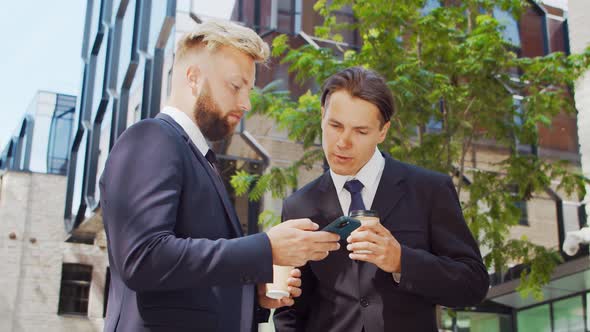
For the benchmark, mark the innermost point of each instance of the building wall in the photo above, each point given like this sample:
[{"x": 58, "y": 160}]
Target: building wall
[
  {"x": 31, "y": 208},
  {"x": 579, "y": 32}
]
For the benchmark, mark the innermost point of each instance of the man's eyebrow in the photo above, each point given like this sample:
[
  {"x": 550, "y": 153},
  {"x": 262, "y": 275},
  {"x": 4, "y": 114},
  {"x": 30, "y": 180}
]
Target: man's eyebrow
[{"x": 357, "y": 127}]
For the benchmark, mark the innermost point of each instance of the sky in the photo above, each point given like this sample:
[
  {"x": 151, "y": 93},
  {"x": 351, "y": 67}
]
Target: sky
[
  {"x": 41, "y": 46},
  {"x": 41, "y": 43},
  {"x": 41, "y": 50}
]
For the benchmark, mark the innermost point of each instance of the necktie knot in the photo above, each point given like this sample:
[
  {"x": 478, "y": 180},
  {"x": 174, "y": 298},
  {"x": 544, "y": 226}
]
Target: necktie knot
[
  {"x": 356, "y": 199},
  {"x": 210, "y": 156},
  {"x": 353, "y": 186},
  {"x": 212, "y": 159}
]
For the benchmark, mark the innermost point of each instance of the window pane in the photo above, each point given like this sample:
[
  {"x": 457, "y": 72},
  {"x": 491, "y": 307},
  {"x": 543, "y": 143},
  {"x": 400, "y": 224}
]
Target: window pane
[
  {"x": 568, "y": 315},
  {"x": 75, "y": 289},
  {"x": 510, "y": 31},
  {"x": 482, "y": 322},
  {"x": 286, "y": 5},
  {"x": 535, "y": 319}
]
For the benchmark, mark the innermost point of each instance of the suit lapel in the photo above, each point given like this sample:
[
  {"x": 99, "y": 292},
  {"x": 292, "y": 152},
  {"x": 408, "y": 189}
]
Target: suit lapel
[
  {"x": 390, "y": 189},
  {"x": 329, "y": 205},
  {"x": 210, "y": 172},
  {"x": 331, "y": 209}
]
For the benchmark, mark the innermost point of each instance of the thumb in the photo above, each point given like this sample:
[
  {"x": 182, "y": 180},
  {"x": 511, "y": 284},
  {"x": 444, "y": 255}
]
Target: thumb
[{"x": 304, "y": 224}]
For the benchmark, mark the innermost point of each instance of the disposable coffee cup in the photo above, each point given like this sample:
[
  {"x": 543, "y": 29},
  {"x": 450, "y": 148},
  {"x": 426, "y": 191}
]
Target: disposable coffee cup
[
  {"x": 279, "y": 287},
  {"x": 364, "y": 216}
]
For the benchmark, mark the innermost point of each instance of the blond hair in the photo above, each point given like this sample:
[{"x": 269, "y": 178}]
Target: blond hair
[{"x": 216, "y": 33}]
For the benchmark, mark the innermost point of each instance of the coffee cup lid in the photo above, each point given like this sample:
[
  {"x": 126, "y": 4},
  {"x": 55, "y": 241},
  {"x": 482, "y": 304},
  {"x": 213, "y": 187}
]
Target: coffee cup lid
[{"x": 277, "y": 294}]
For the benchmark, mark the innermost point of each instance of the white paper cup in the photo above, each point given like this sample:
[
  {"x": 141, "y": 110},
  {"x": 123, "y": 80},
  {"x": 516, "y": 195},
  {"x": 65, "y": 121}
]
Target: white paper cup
[
  {"x": 279, "y": 287},
  {"x": 364, "y": 216}
]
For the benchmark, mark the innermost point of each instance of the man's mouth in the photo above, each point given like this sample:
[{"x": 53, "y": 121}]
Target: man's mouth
[
  {"x": 236, "y": 116},
  {"x": 341, "y": 157}
]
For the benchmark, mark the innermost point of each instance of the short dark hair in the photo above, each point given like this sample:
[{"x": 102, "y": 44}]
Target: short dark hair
[{"x": 362, "y": 83}]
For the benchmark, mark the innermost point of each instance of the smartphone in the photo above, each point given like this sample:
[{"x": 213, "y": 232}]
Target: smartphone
[{"x": 343, "y": 226}]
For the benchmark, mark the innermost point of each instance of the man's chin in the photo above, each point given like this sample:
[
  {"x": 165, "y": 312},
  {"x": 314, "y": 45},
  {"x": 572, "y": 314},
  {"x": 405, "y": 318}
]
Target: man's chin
[{"x": 340, "y": 170}]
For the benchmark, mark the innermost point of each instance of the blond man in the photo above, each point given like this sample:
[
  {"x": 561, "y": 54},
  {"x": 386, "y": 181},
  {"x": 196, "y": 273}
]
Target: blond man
[{"x": 178, "y": 258}]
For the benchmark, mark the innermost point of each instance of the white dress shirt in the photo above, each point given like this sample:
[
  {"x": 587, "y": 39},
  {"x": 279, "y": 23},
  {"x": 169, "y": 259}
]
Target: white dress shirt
[
  {"x": 370, "y": 176},
  {"x": 191, "y": 129}
]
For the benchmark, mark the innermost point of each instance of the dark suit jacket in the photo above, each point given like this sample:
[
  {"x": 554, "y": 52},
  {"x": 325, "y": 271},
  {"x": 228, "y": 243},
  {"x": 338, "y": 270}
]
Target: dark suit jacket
[
  {"x": 440, "y": 261},
  {"x": 177, "y": 257}
]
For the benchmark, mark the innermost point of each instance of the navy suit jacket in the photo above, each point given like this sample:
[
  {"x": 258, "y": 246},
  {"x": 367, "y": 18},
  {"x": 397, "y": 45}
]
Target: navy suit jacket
[
  {"x": 178, "y": 258},
  {"x": 440, "y": 261}
]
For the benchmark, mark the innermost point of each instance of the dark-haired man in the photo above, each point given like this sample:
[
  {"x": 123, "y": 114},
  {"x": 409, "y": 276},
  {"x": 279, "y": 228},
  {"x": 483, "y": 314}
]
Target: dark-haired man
[{"x": 392, "y": 273}]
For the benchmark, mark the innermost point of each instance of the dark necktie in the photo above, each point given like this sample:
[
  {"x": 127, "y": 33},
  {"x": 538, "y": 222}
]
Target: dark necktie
[
  {"x": 356, "y": 199},
  {"x": 210, "y": 156}
]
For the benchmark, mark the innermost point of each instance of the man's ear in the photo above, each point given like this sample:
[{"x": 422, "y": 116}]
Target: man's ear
[
  {"x": 193, "y": 77},
  {"x": 322, "y": 119},
  {"x": 383, "y": 131}
]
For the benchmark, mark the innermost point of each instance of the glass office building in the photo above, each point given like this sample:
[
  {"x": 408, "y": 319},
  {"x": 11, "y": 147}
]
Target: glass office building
[{"x": 41, "y": 141}]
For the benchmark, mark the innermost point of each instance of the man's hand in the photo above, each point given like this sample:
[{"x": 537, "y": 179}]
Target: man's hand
[
  {"x": 294, "y": 242},
  {"x": 373, "y": 243},
  {"x": 294, "y": 290}
]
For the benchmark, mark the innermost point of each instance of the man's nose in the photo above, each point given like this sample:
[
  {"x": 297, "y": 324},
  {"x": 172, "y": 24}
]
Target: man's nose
[
  {"x": 245, "y": 104},
  {"x": 344, "y": 140}
]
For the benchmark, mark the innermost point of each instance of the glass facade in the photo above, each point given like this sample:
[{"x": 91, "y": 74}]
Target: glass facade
[
  {"x": 41, "y": 141},
  {"x": 465, "y": 321},
  {"x": 536, "y": 319},
  {"x": 569, "y": 314},
  {"x": 509, "y": 29},
  {"x": 127, "y": 54},
  {"x": 119, "y": 36},
  {"x": 60, "y": 134}
]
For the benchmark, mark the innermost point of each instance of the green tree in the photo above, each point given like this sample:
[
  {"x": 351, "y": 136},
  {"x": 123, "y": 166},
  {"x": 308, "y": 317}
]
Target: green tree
[{"x": 452, "y": 66}]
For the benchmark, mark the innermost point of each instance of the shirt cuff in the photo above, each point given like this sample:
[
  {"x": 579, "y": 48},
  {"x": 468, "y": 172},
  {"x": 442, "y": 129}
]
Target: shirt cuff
[{"x": 397, "y": 277}]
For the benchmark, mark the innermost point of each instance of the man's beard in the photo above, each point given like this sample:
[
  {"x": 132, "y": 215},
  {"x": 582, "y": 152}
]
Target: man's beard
[{"x": 210, "y": 120}]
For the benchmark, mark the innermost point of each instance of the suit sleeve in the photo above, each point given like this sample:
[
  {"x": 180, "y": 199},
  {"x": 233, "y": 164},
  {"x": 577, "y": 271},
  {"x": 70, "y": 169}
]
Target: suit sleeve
[
  {"x": 453, "y": 273},
  {"x": 294, "y": 318},
  {"x": 140, "y": 196}
]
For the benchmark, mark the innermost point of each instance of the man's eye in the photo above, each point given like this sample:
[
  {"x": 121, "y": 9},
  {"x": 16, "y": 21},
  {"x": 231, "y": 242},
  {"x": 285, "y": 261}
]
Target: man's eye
[{"x": 235, "y": 87}]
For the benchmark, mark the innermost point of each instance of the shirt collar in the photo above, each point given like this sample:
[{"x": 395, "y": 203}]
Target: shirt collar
[
  {"x": 367, "y": 175},
  {"x": 191, "y": 129}
]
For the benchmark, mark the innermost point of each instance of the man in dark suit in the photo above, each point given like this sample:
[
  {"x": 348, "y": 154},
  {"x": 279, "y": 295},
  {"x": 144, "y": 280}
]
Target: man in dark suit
[
  {"x": 392, "y": 273},
  {"x": 178, "y": 258}
]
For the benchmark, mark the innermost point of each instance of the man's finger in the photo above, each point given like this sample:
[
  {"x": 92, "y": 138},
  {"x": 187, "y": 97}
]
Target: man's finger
[
  {"x": 362, "y": 236},
  {"x": 374, "y": 226},
  {"x": 370, "y": 258},
  {"x": 322, "y": 236},
  {"x": 368, "y": 224},
  {"x": 287, "y": 301},
  {"x": 327, "y": 246},
  {"x": 303, "y": 224},
  {"x": 318, "y": 256},
  {"x": 366, "y": 246},
  {"x": 296, "y": 273},
  {"x": 295, "y": 282},
  {"x": 295, "y": 291}
]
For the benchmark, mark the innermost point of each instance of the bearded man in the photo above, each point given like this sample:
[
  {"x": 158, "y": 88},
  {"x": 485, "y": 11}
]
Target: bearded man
[{"x": 178, "y": 258}]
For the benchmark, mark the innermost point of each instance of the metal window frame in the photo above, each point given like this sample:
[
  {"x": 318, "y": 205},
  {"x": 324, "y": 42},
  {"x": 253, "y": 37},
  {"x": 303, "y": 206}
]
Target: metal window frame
[{"x": 83, "y": 284}]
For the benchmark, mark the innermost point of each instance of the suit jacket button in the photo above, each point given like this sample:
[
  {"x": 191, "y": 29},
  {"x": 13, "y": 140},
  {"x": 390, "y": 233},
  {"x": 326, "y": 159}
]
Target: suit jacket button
[{"x": 364, "y": 302}]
